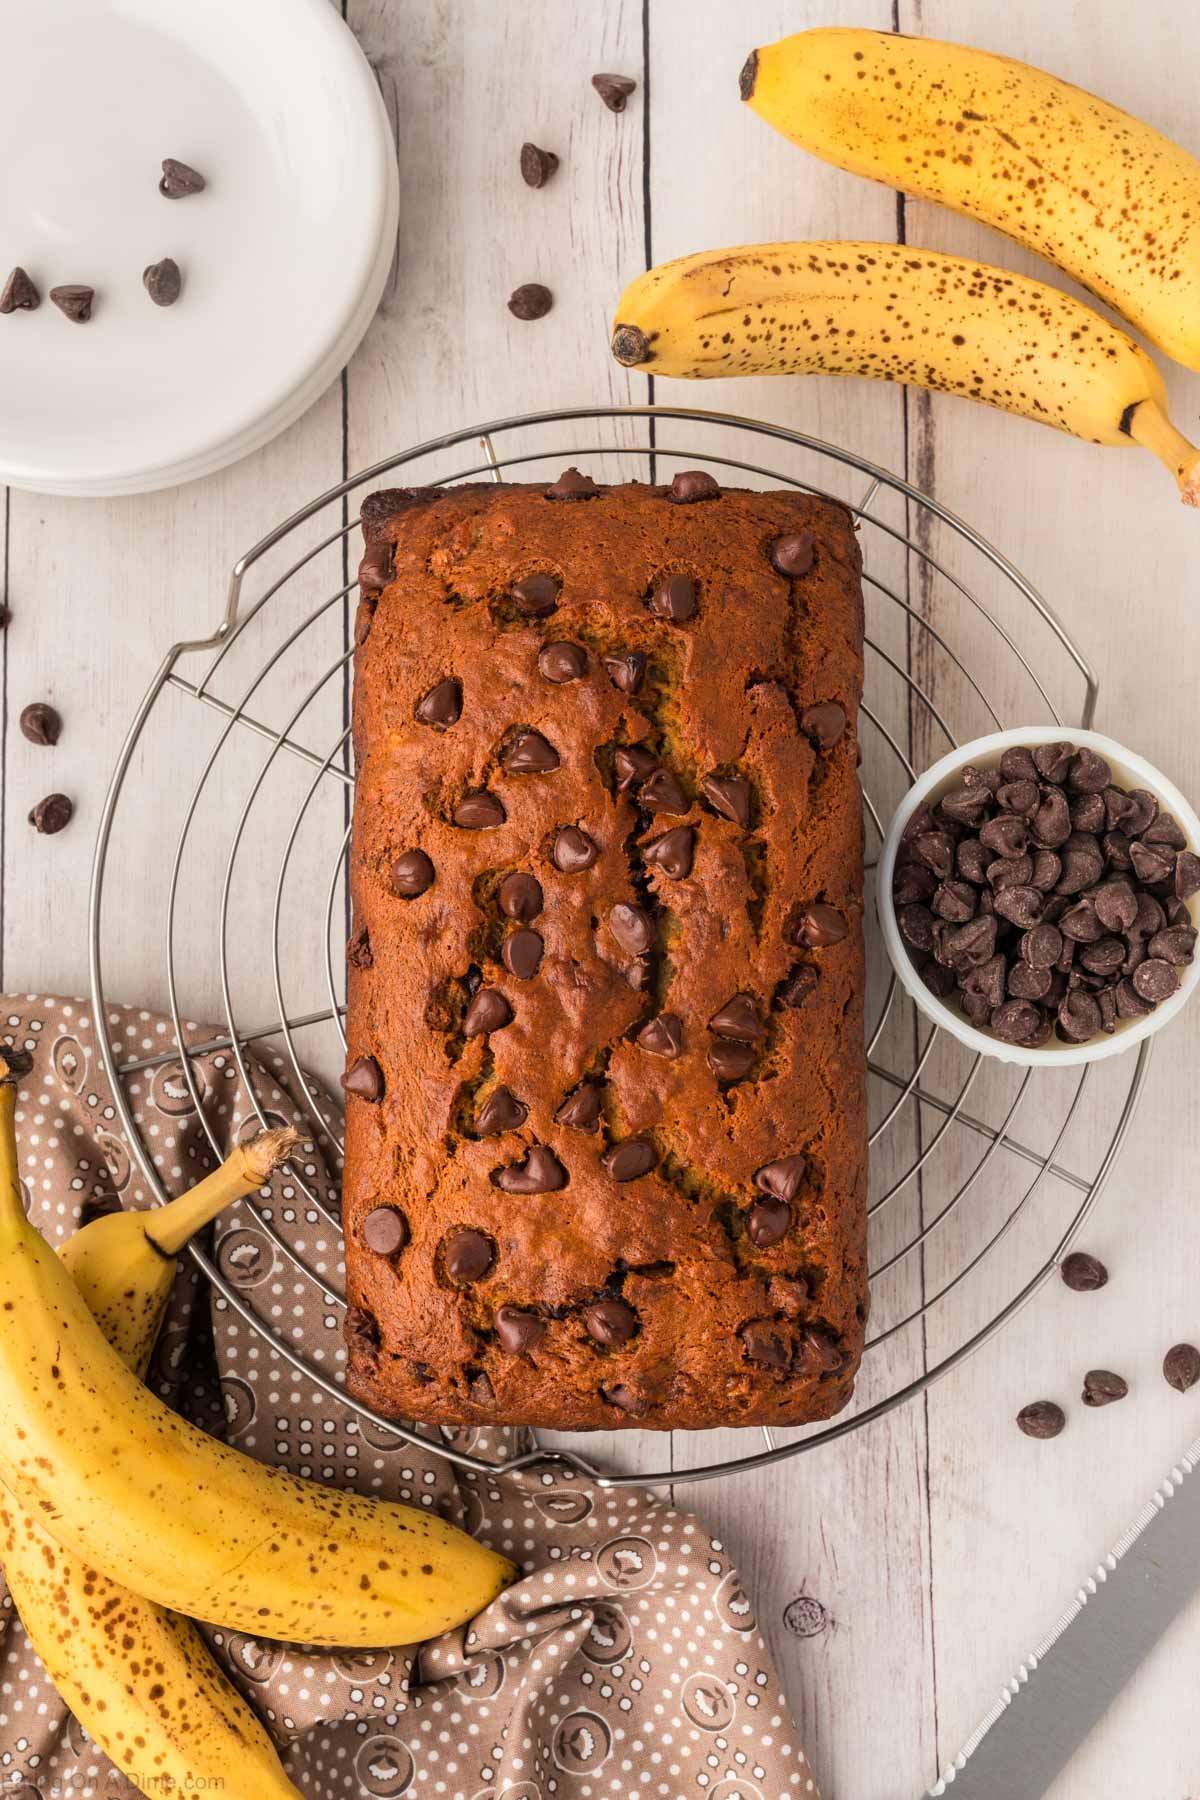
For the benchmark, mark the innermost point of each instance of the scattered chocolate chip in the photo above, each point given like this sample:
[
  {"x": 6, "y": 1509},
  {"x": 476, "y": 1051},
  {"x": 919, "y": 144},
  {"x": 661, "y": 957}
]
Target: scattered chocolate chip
[
  {"x": 358, "y": 950},
  {"x": 614, "y": 90},
  {"x": 821, "y": 926},
  {"x": 573, "y": 850},
  {"x": 537, "y": 165},
  {"x": 1181, "y": 1367},
  {"x": 521, "y": 953},
  {"x": 632, "y": 765},
  {"x": 468, "y": 1254},
  {"x": 572, "y": 485},
  {"x": 535, "y": 596},
  {"x": 52, "y": 814},
  {"x": 385, "y": 1230},
  {"x": 441, "y": 706},
  {"x": 479, "y": 811},
  {"x": 824, "y": 723},
  {"x": 19, "y": 294},
  {"x": 581, "y": 1110},
  {"x": 625, "y": 669},
  {"x": 364, "y": 1079},
  {"x": 768, "y": 1221},
  {"x": 1041, "y": 1419},
  {"x": 540, "y": 1173},
  {"x": 411, "y": 874},
  {"x": 74, "y": 301},
  {"x": 520, "y": 897},
  {"x": 530, "y": 301},
  {"x": 691, "y": 485},
  {"x": 662, "y": 1036},
  {"x": 179, "y": 180},
  {"x": 627, "y": 1160},
  {"x": 162, "y": 281},
  {"x": 519, "y": 1331},
  {"x": 793, "y": 553},
  {"x": 728, "y": 795},
  {"x": 562, "y": 661},
  {"x": 730, "y": 1061},
  {"x": 1083, "y": 1273},
  {"x": 783, "y": 1178},
  {"x": 739, "y": 1019},
  {"x": 488, "y": 1011},
  {"x": 765, "y": 1343},
  {"x": 40, "y": 723},
  {"x": 799, "y": 985},
  {"x": 530, "y": 754},
  {"x": 674, "y": 599},
  {"x": 661, "y": 792},
  {"x": 1101, "y": 1387},
  {"x": 672, "y": 853},
  {"x": 500, "y": 1112},
  {"x": 610, "y": 1322},
  {"x": 632, "y": 927}
]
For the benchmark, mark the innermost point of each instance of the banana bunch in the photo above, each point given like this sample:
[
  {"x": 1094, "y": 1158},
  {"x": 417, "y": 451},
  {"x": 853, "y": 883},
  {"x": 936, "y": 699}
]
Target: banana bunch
[
  {"x": 901, "y": 314},
  {"x": 1089, "y": 187},
  {"x": 140, "y": 1679},
  {"x": 152, "y": 1502}
]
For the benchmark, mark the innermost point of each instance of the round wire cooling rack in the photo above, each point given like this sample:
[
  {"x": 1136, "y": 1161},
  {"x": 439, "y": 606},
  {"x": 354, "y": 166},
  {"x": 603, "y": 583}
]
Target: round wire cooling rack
[{"x": 963, "y": 1161}]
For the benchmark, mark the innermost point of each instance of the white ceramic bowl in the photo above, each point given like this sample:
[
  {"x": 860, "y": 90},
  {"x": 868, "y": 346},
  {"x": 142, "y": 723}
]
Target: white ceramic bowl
[
  {"x": 1129, "y": 770},
  {"x": 284, "y": 255}
]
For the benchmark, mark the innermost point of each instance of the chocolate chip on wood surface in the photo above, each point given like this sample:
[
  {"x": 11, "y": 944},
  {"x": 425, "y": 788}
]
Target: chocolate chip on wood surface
[
  {"x": 179, "y": 179},
  {"x": 1181, "y": 1367},
  {"x": 51, "y": 814},
  {"x": 1083, "y": 1273},
  {"x": 537, "y": 165},
  {"x": 40, "y": 723},
  {"x": 74, "y": 301},
  {"x": 1101, "y": 1387},
  {"x": 19, "y": 294},
  {"x": 162, "y": 281},
  {"x": 530, "y": 301},
  {"x": 1041, "y": 1419},
  {"x": 614, "y": 90}
]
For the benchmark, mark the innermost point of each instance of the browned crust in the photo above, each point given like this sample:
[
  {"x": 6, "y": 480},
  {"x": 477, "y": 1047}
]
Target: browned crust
[{"x": 724, "y": 691}]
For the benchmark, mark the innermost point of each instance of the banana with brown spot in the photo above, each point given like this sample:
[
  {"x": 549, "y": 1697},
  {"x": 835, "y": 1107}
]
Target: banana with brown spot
[
  {"x": 157, "y": 1505},
  {"x": 138, "y": 1678},
  {"x": 895, "y": 313},
  {"x": 1091, "y": 188}
]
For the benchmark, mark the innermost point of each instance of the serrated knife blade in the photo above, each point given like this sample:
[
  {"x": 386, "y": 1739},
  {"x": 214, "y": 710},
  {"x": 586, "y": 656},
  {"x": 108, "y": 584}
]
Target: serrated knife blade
[{"x": 1067, "y": 1683}]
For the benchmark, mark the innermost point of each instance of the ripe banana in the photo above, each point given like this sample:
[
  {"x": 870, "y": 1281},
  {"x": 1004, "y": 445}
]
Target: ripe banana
[
  {"x": 138, "y": 1678},
  {"x": 1111, "y": 201},
  {"x": 156, "y": 1504},
  {"x": 901, "y": 314}
]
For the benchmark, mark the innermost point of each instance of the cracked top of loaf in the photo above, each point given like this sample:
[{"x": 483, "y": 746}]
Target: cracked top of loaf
[{"x": 606, "y": 1121}]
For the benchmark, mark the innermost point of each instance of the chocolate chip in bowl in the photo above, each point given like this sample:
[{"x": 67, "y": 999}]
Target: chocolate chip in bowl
[{"x": 1038, "y": 896}]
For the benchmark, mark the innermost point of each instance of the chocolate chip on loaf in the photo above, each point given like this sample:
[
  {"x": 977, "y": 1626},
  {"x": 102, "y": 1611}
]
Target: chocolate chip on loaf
[
  {"x": 728, "y": 795},
  {"x": 562, "y": 662},
  {"x": 468, "y": 1255},
  {"x": 662, "y": 1036},
  {"x": 672, "y": 853},
  {"x": 521, "y": 953},
  {"x": 611, "y": 1322},
  {"x": 385, "y": 1230},
  {"x": 629, "y": 1160},
  {"x": 540, "y": 1173},
  {"x": 500, "y": 1112},
  {"x": 520, "y": 897},
  {"x": 572, "y": 485},
  {"x": 581, "y": 1110},
  {"x": 411, "y": 875},
  {"x": 674, "y": 599},
  {"x": 573, "y": 850},
  {"x": 519, "y": 1331},
  {"x": 691, "y": 485},
  {"x": 535, "y": 596},
  {"x": 793, "y": 553},
  {"x": 625, "y": 669},
  {"x": 364, "y": 1079},
  {"x": 479, "y": 811},
  {"x": 489, "y": 1011},
  {"x": 441, "y": 706}
]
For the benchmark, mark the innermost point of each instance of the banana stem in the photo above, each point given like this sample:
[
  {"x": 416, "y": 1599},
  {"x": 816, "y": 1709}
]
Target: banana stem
[
  {"x": 243, "y": 1170},
  {"x": 1150, "y": 427},
  {"x": 13, "y": 1223}
]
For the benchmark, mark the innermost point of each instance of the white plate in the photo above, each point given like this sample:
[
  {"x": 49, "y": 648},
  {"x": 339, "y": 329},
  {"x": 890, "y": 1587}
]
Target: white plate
[{"x": 284, "y": 255}]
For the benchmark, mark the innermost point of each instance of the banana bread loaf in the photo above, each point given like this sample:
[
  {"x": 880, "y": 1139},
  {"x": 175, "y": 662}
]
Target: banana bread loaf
[{"x": 605, "y": 1089}]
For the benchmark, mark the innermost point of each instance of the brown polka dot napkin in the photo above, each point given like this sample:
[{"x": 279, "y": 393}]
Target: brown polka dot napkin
[{"x": 625, "y": 1661}]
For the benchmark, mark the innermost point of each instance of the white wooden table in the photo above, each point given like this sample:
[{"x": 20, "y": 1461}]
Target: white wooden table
[{"x": 939, "y": 1542}]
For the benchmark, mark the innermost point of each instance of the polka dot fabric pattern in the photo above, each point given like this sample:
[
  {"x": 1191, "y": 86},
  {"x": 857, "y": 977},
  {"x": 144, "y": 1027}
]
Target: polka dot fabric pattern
[
  {"x": 626, "y": 1658},
  {"x": 606, "y": 979}
]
